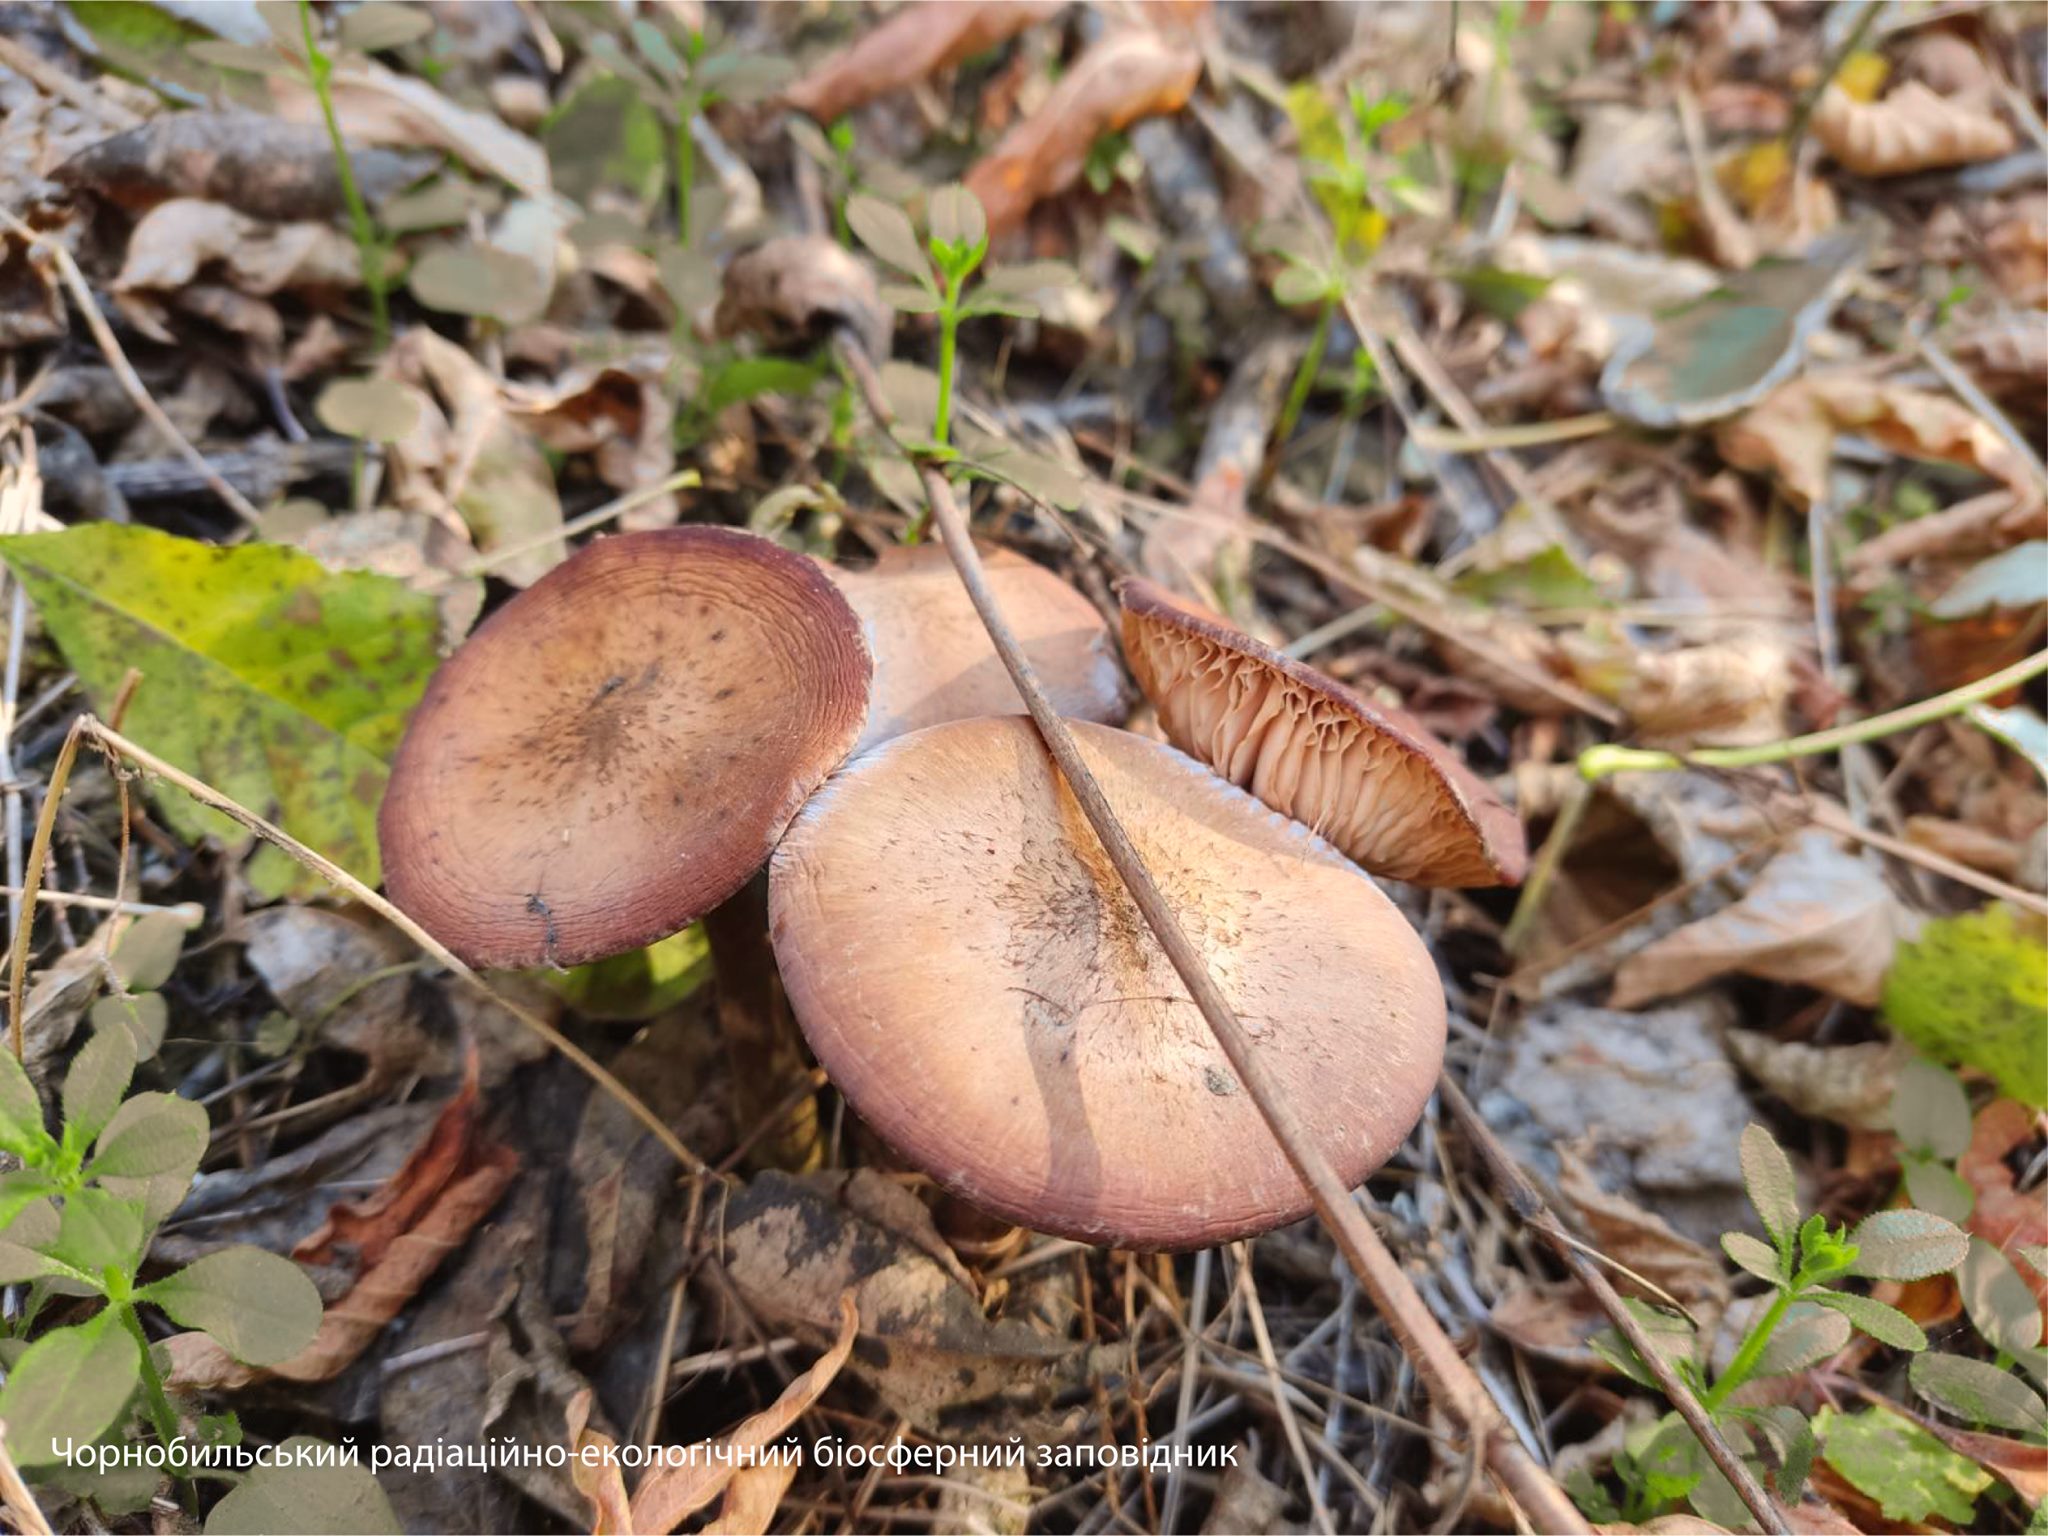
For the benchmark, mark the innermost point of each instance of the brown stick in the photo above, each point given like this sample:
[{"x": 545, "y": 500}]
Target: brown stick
[
  {"x": 1450, "y": 1380},
  {"x": 1535, "y": 1215}
]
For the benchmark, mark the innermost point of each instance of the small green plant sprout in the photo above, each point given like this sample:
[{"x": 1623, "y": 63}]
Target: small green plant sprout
[
  {"x": 76, "y": 1219},
  {"x": 1806, "y": 1319}
]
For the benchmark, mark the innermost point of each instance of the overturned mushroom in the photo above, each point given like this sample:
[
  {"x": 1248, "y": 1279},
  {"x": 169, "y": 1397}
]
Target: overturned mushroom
[
  {"x": 976, "y": 979},
  {"x": 934, "y": 661},
  {"x": 1372, "y": 780},
  {"x": 615, "y": 751}
]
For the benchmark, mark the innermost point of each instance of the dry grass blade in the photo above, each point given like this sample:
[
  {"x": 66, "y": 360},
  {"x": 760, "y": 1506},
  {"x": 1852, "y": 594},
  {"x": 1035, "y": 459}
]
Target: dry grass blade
[
  {"x": 1451, "y": 1381},
  {"x": 15, "y": 1499}
]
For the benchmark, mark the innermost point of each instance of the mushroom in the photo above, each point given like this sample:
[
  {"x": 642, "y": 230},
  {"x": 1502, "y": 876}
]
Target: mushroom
[
  {"x": 934, "y": 661},
  {"x": 975, "y": 978},
  {"x": 1371, "y": 779},
  {"x": 616, "y": 750}
]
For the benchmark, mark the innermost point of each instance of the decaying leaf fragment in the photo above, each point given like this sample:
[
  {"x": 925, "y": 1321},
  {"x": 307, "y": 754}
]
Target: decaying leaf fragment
[
  {"x": 1912, "y": 129},
  {"x": 176, "y": 239},
  {"x": 916, "y": 41},
  {"x": 1129, "y": 75},
  {"x": 1792, "y": 433},
  {"x": 794, "y": 288},
  {"x": 675, "y": 1490}
]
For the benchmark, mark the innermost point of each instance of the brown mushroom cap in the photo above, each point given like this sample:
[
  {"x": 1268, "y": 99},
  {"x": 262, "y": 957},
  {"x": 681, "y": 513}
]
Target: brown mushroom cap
[
  {"x": 976, "y": 980},
  {"x": 1372, "y": 780},
  {"x": 617, "y": 749},
  {"x": 934, "y": 661}
]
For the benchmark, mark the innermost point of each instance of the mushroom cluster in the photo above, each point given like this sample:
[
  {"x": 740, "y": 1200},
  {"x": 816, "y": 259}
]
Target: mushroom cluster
[{"x": 622, "y": 746}]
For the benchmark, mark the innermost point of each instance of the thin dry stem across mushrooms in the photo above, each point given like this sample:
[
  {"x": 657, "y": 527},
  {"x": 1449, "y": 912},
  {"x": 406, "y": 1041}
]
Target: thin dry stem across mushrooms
[{"x": 1371, "y": 779}]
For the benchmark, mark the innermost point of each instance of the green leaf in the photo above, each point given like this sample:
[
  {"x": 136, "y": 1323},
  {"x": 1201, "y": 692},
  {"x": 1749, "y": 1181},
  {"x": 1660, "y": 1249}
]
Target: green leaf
[
  {"x": 1791, "y": 1437},
  {"x": 143, "y": 1014},
  {"x": 2018, "y": 578},
  {"x": 21, "y": 1108},
  {"x": 98, "y": 1076},
  {"x": 912, "y": 301},
  {"x": 149, "y": 949},
  {"x": 956, "y": 218},
  {"x": 373, "y": 28},
  {"x": 276, "y": 681},
  {"x": 1671, "y": 1337},
  {"x": 1754, "y": 1255},
  {"x": 257, "y": 1306},
  {"x": 152, "y": 1134},
  {"x": 1930, "y": 1111},
  {"x": 1938, "y": 1188},
  {"x": 747, "y": 377},
  {"x": 640, "y": 983},
  {"x": 1300, "y": 285},
  {"x": 22, "y": 1247},
  {"x": 1767, "y": 1175},
  {"x": 999, "y": 304},
  {"x": 1887, "y": 1325},
  {"x": 1907, "y": 1245},
  {"x": 1979, "y": 1393},
  {"x": 2018, "y": 727},
  {"x": 886, "y": 230},
  {"x": 2001, "y": 1307},
  {"x": 1973, "y": 989},
  {"x": 1907, "y": 1471},
  {"x": 477, "y": 280},
  {"x": 1807, "y": 1335},
  {"x": 237, "y": 56},
  {"x": 373, "y": 410},
  {"x": 68, "y": 1386},
  {"x": 605, "y": 137},
  {"x": 98, "y": 1231},
  {"x": 281, "y": 1499}
]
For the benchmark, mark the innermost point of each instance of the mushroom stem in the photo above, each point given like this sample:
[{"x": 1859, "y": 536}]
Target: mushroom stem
[
  {"x": 1451, "y": 1382},
  {"x": 761, "y": 1043}
]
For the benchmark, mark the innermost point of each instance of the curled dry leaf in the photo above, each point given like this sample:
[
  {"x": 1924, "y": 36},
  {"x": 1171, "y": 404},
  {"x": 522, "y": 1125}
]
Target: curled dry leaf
[
  {"x": 1640, "y": 1239},
  {"x": 1730, "y": 692},
  {"x": 1792, "y": 433},
  {"x": 672, "y": 1492},
  {"x": 792, "y": 290},
  {"x": 1851, "y": 1085},
  {"x": 2016, "y": 249},
  {"x": 257, "y": 165},
  {"x": 1817, "y": 916},
  {"x": 618, "y": 412},
  {"x": 1129, "y": 75},
  {"x": 916, "y": 41},
  {"x": 175, "y": 240},
  {"x": 401, "y": 1233},
  {"x": 1912, "y": 129}
]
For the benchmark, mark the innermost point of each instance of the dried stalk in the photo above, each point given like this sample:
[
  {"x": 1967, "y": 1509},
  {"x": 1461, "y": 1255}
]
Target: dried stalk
[
  {"x": 1529, "y": 1207},
  {"x": 1450, "y": 1380}
]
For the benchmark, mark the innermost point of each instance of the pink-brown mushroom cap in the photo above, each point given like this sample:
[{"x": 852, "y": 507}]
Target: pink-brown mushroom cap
[
  {"x": 1372, "y": 780},
  {"x": 616, "y": 750},
  {"x": 934, "y": 661},
  {"x": 978, "y": 983}
]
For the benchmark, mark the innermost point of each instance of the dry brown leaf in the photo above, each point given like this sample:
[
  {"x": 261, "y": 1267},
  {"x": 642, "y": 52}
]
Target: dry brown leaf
[
  {"x": 674, "y": 1491},
  {"x": 2016, "y": 250},
  {"x": 2006, "y": 1217},
  {"x": 1791, "y": 434},
  {"x": 1129, "y": 75},
  {"x": 1817, "y": 916},
  {"x": 402, "y": 1231},
  {"x": 175, "y": 240},
  {"x": 621, "y": 413},
  {"x": 794, "y": 288},
  {"x": 1849, "y": 1084},
  {"x": 1639, "y": 1239},
  {"x": 1730, "y": 692},
  {"x": 1912, "y": 129},
  {"x": 918, "y": 40}
]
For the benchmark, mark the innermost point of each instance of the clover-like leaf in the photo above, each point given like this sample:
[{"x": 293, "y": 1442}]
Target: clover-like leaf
[
  {"x": 68, "y": 1387},
  {"x": 21, "y": 1109},
  {"x": 1907, "y": 1245},
  {"x": 284, "y": 1496},
  {"x": 94, "y": 1084},
  {"x": 2001, "y": 1306},
  {"x": 1807, "y": 1335},
  {"x": 259, "y": 1307},
  {"x": 151, "y": 1134},
  {"x": 1930, "y": 1111},
  {"x": 886, "y": 230},
  {"x": 1773, "y": 1190},
  {"x": 957, "y": 219}
]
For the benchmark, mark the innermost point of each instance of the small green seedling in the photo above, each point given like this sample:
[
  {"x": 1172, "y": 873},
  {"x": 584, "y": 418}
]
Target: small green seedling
[{"x": 76, "y": 1219}]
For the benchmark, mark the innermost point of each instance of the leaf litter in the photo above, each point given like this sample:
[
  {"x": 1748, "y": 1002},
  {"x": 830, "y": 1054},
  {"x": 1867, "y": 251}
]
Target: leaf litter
[{"x": 1745, "y": 353}]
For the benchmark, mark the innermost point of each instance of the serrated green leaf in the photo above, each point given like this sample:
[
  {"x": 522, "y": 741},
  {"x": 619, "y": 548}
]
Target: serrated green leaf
[
  {"x": 886, "y": 230},
  {"x": 1671, "y": 1336},
  {"x": 68, "y": 1386},
  {"x": 143, "y": 1014},
  {"x": 1807, "y": 1335},
  {"x": 260, "y": 1308},
  {"x": 93, "y": 1084},
  {"x": 2000, "y": 1305},
  {"x": 1973, "y": 989},
  {"x": 280, "y": 1498},
  {"x": 152, "y": 1134},
  {"x": 956, "y": 217},
  {"x": 1790, "y": 1435},
  {"x": 98, "y": 1231},
  {"x": 1930, "y": 1111},
  {"x": 276, "y": 681},
  {"x": 21, "y": 1108},
  {"x": 1907, "y": 1471},
  {"x": 1753, "y": 1255},
  {"x": 373, "y": 28},
  {"x": 1773, "y": 1191},
  {"x": 24, "y": 1241},
  {"x": 1885, "y": 1324},
  {"x": 1978, "y": 1392},
  {"x": 1907, "y": 1245}
]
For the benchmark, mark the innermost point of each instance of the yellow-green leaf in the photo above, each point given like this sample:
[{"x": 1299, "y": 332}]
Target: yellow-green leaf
[
  {"x": 276, "y": 681},
  {"x": 1973, "y": 989}
]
